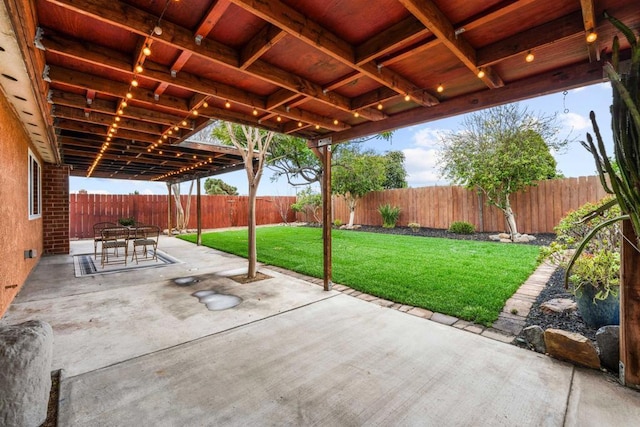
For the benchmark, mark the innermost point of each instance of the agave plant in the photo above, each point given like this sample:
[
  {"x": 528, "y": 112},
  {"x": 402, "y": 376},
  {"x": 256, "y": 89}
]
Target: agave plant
[{"x": 622, "y": 181}]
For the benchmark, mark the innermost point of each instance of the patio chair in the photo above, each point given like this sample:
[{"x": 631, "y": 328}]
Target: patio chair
[
  {"x": 97, "y": 235},
  {"x": 146, "y": 237},
  {"x": 115, "y": 238}
]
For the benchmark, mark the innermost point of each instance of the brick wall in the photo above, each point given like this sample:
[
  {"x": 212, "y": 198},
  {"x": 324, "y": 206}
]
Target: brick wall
[{"x": 55, "y": 209}]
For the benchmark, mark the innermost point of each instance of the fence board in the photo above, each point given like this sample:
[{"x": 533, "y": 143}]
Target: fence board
[
  {"x": 538, "y": 209},
  {"x": 218, "y": 211}
]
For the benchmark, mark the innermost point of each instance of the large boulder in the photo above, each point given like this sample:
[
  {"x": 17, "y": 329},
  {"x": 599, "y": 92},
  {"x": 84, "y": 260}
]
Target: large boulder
[
  {"x": 571, "y": 347},
  {"x": 608, "y": 339},
  {"x": 26, "y": 351}
]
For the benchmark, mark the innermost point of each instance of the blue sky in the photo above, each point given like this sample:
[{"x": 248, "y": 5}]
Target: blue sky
[{"x": 420, "y": 144}]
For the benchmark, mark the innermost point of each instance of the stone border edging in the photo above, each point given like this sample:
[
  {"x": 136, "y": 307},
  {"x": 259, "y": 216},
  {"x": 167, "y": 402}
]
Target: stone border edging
[{"x": 510, "y": 321}]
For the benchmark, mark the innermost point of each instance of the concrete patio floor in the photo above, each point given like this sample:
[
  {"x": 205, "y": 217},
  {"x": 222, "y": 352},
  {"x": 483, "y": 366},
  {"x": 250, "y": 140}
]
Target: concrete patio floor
[{"x": 136, "y": 349}]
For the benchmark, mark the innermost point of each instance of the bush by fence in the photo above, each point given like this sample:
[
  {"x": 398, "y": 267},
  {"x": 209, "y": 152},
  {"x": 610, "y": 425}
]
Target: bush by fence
[
  {"x": 217, "y": 211},
  {"x": 537, "y": 209}
]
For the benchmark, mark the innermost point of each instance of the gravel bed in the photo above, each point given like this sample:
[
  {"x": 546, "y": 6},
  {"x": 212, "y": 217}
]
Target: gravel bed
[{"x": 571, "y": 322}]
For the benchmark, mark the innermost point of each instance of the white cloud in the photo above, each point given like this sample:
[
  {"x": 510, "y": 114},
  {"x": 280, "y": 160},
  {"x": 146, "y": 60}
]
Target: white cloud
[
  {"x": 98, "y": 192},
  {"x": 575, "y": 121},
  {"x": 421, "y": 166},
  {"x": 427, "y": 137}
]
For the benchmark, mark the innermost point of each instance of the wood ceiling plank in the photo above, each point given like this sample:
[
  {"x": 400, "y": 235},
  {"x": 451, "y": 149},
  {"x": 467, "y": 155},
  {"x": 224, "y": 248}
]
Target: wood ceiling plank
[
  {"x": 402, "y": 33},
  {"x": 280, "y": 97},
  {"x": 343, "y": 81},
  {"x": 266, "y": 38},
  {"x": 431, "y": 16},
  {"x": 542, "y": 84},
  {"x": 298, "y": 114},
  {"x": 108, "y": 107},
  {"x": 311, "y": 33},
  {"x": 549, "y": 33},
  {"x": 372, "y": 98},
  {"x": 105, "y": 119},
  {"x": 99, "y": 84}
]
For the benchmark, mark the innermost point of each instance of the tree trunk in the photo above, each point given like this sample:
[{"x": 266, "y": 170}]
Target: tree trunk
[
  {"x": 510, "y": 217},
  {"x": 352, "y": 210},
  {"x": 253, "y": 252}
]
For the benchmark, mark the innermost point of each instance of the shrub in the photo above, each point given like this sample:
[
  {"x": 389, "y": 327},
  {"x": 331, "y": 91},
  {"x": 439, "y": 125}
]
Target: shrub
[
  {"x": 390, "y": 215},
  {"x": 462, "y": 227},
  {"x": 127, "y": 222},
  {"x": 599, "y": 263},
  {"x": 414, "y": 226},
  {"x": 337, "y": 222}
]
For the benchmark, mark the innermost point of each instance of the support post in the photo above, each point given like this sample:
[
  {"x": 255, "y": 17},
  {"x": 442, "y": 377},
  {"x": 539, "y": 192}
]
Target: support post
[
  {"x": 326, "y": 215},
  {"x": 198, "y": 214},
  {"x": 169, "y": 233},
  {"x": 629, "y": 308}
]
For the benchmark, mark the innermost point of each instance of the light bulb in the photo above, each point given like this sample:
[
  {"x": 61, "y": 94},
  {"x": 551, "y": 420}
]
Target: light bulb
[
  {"x": 227, "y": 104},
  {"x": 117, "y": 119},
  {"x": 194, "y": 112},
  {"x": 356, "y": 114},
  {"x": 407, "y": 98},
  {"x": 176, "y": 128},
  {"x": 529, "y": 57},
  {"x": 317, "y": 127},
  {"x": 120, "y": 112},
  {"x": 205, "y": 104},
  {"x": 255, "y": 112},
  {"x": 592, "y": 36},
  {"x": 481, "y": 73},
  {"x": 134, "y": 83},
  {"x": 129, "y": 95},
  {"x": 123, "y": 104},
  {"x": 157, "y": 30},
  {"x": 279, "y": 118},
  {"x": 146, "y": 51},
  {"x": 380, "y": 106},
  {"x": 139, "y": 68},
  {"x": 335, "y": 121},
  {"x": 184, "y": 123},
  {"x": 440, "y": 88},
  {"x": 299, "y": 124}
]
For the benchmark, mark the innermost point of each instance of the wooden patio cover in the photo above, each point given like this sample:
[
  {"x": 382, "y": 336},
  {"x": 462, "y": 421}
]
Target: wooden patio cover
[
  {"x": 310, "y": 68},
  {"x": 324, "y": 70}
]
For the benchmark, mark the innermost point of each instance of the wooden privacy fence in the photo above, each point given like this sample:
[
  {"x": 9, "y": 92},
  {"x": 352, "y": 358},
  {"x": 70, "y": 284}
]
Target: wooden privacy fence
[
  {"x": 538, "y": 209},
  {"x": 217, "y": 211}
]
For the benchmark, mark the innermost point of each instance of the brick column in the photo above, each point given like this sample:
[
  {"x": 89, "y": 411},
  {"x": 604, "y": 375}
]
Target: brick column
[{"x": 55, "y": 209}]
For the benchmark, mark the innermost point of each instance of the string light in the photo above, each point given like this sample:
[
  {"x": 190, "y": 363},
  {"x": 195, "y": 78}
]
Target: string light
[
  {"x": 176, "y": 128},
  {"x": 380, "y": 106},
  {"x": 129, "y": 95},
  {"x": 529, "y": 57},
  {"x": 205, "y": 104},
  {"x": 194, "y": 112},
  {"x": 317, "y": 127},
  {"x": 279, "y": 119},
  {"x": 184, "y": 123},
  {"x": 335, "y": 121},
  {"x": 592, "y": 36},
  {"x": 134, "y": 83},
  {"x": 227, "y": 104},
  {"x": 481, "y": 73},
  {"x": 299, "y": 124},
  {"x": 407, "y": 98},
  {"x": 356, "y": 114},
  {"x": 255, "y": 112},
  {"x": 139, "y": 68},
  {"x": 146, "y": 50},
  {"x": 117, "y": 119},
  {"x": 440, "y": 88}
]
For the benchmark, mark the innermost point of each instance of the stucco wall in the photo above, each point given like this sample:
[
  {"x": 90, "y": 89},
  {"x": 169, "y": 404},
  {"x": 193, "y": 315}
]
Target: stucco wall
[{"x": 17, "y": 232}]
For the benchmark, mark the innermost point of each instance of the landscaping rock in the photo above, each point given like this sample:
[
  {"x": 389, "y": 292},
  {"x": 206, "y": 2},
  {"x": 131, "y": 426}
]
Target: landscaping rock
[
  {"x": 571, "y": 347},
  {"x": 535, "y": 338},
  {"x": 506, "y": 241},
  {"x": 608, "y": 339},
  {"x": 494, "y": 237},
  {"x": 558, "y": 305},
  {"x": 26, "y": 352},
  {"x": 504, "y": 236}
]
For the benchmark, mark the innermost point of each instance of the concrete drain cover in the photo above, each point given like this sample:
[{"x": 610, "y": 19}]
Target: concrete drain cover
[
  {"x": 215, "y": 301},
  {"x": 185, "y": 281}
]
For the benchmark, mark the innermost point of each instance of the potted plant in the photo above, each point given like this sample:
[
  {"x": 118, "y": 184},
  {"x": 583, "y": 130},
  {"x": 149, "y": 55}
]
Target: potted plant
[{"x": 594, "y": 273}]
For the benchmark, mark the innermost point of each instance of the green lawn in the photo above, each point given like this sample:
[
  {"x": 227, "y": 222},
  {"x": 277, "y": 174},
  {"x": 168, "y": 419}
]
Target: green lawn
[{"x": 467, "y": 279}]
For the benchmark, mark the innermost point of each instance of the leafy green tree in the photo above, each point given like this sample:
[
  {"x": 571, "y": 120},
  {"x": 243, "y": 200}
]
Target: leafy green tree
[
  {"x": 395, "y": 173},
  {"x": 358, "y": 173},
  {"x": 218, "y": 186},
  {"x": 501, "y": 151},
  {"x": 309, "y": 203},
  {"x": 292, "y": 158}
]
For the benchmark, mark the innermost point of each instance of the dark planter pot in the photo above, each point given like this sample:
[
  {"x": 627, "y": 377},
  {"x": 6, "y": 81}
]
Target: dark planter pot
[{"x": 602, "y": 312}]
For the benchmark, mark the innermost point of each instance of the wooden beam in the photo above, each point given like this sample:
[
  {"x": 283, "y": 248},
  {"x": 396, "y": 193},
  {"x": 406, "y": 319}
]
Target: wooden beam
[
  {"x": 403, "y": 33},
  {"x": 590, "y": 25},
  {"x": 629, "y": 308},
  {"x": 431, "y": 16},
  {"x": 266, "y": 38},
  {"x": 310, "y": 32},
  {"x": 550, "y": 82},
  {"x": 326, "y": 218},
  {"x": 552, "y": 32}
]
